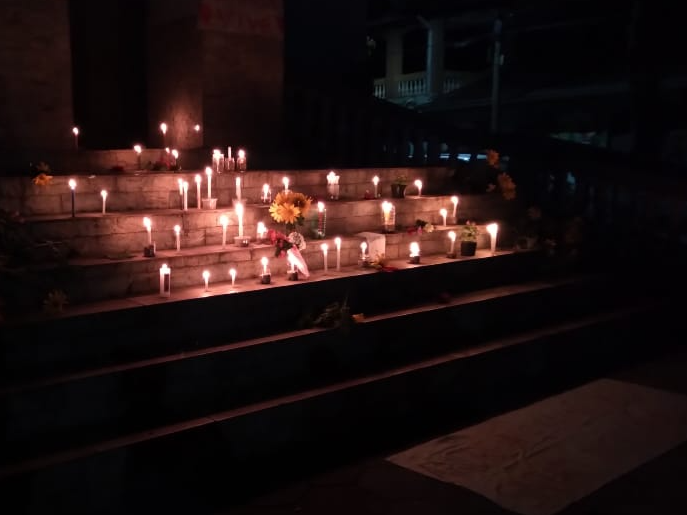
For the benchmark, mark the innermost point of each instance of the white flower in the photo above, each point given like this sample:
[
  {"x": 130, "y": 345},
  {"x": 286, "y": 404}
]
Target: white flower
[{"x": 297, "y": 240}]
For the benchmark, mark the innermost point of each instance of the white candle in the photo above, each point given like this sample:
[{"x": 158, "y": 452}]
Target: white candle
[
  {"x": 241, "y": 162},
  {"x": 292, "y": 262},
  {"x": 443, "y": 214},
  {"x": 180, "y": 182},
  {"x": 418, "y": 185},
  {"x": 414, "y": 249},
  {"x": 452, "y": 237},
  {"x": 454, "y": 199},
  {"x": 148, "y": 225},
  {"x": 103, "y": 194},
  {"x": 72, "y": 186},
  {"x": 386, "y": 209},
  {"x": 175, "y": 155},
  {"x": 165, "y": 280},
  {"x": 375, "y": 181},
  {"x": 138, "y": 149},
  {"x": 177, "y": 233},
  {"x": 163, "y": 129},
  {"x": 285, "y": 180},
  {"x": 265, "y": 192},
  {"x": 238, "y": 188},
  {"x": 208, "y": 172},
  {"x": 185, "y": 187},
  {"x": 261, "y": 230},
  {"x": 239, "y": 214},
  {"x": 75, "y": 130},
  {"x": 493, "y": 230},
  {"x": 264, "y": 262},
  {"x": 232, "y": 274},
  {"x": 216, "y": 154},
  {"x": 198, "y": 181},
  {"x": 337, "y": 242},
  {"x": 325, "y": 249},
  {"x": 224, "y": 221},
  {"x": 206, "y": 277},
  {"x": 363, "y": 249}
]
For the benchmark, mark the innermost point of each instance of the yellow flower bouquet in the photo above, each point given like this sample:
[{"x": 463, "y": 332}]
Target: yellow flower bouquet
[{"x": 290, "y": 208}]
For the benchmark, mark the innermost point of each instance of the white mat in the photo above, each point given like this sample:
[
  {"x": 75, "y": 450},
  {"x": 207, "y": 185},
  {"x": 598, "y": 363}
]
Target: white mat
[{"x": 539, "y": 459}]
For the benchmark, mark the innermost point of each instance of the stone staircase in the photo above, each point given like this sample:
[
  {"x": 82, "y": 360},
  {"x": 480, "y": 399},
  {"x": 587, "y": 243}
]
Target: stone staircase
[{"x": 127, "y": 403}]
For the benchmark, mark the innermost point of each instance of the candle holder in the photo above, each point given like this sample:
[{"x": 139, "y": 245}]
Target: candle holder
[
  {"x": 165, "y": 281},
  {"x": 209, "y": 203},
  {"x": 451, "y": 255},
  {"x": 364, "y": 261},
  {"x": 414, "y": 260},
  {"x": 149, "y": 250},
  {"x": 265, "y": 278},
  {"x": 292, "y": 275},
  {"x": 242, "y": 241},
  {"x": 333, "y": 186},
  {"x": 388, "y": 217}
]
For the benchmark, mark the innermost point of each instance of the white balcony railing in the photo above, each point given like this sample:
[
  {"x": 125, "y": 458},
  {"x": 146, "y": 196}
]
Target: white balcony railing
[{"x": 415, "y": 85}]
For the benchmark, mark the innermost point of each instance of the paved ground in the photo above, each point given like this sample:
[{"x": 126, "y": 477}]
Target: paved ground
[{"x": 376, "y": 486}]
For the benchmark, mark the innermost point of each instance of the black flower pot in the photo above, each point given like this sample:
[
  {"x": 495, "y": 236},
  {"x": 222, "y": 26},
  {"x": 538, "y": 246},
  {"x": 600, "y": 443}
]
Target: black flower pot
[
  {"x": 468, "y": 248},
  {"x": 398, "y": 190}
]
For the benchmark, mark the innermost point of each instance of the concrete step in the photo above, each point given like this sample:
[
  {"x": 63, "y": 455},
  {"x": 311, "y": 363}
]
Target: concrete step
[
  {"x": 330, "y": 420},
  {"x": 104, "y": 402},
  {"x": 139, "y": 327}
]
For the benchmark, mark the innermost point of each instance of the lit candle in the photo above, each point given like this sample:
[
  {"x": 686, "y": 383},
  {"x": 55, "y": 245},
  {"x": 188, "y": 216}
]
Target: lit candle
[
  {"x": 363, "y": 249},
  {"x": 206, "y": 277},
  {"x": 216, "y": 154},
  {"x": 418, "y": 185},
  {"x": 148, "y": 225},
  {"x": 387, "y": 207},
  {"x": 208, "y": 172},
  {"x": 337, "y": 242},
  {"x": 293, "y": 275},
  {"x": 75, "y": 131},
  {"x": 375, "y": 181},
  {"x": 493, "y": 230},
  {"x": 175, "y": 155},
  {"x": 265, "y": 193},
  {"x": 72, "y": 185},
  {"x": 232, "y": 274},
  {"x": 241, "y": 162},
  {"x": 177, "y": 233},
  {"x": 224, "y": 221},
  {"x": 264, "y": 262},
  {"x": 239, "y": 214},
  {"x": 163, "y": 129},
  {"x": 443, "y": 214},
  {"x": 285, "y": 180},
  {"x": 165, "y": 280},
  {"x": 198, "y": 181},
  {"x": 414, "y": 252},
  {"x": 261, "y": 231},
  {"x": 185, "y": 187},
  {"x": 138, "y": 150},
  {"x": 454, "y": 199},
  {"x": 196, "y": 128},
  {"x": 320, "y": 219},
  {"x": 103, "y": 194},
  {"x": 180, "y": 182},
  {"x": 325, "y": 249},
  {"x": 452, "y": 237},
  {"x": 238, "y": 188}
]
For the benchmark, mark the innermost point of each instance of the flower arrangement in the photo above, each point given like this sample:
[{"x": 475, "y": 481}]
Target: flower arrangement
[
  {"x": 470, "y": 232},
  {"x": 290, "y": 208},
  {"x": 42, "y": 177},
  {"x": 282, "y": 243}
]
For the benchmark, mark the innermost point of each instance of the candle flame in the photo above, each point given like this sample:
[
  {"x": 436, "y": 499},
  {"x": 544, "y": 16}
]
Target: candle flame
[
  {"x": 261, "y": 228},
  {"x": 206, "y": 275},
  {"x": 337, "y": 242},
  {"x": 103, "y": 194},
  {"x": 414, "y": 249},
  {"x": 386, "y": 207},
  {"x": 324, "y": 247},
  {"x": 175, "y": 153},
  {"x": 163, "y": 128},
  {"x": 75, "y": 130},
  {"x": 443, "y": 212},
  {"x": 265, "y": 188},
  {"x": 239, "y": 209},
  {"x": 224, "y": 220},
  {"x": 242, "y": 153},
  {"x": 138, "y": 149},
  {"x": 146, "y": 222},
  {"x": 216, "y": 152},
  {"x": 492, "y": 229},
  {"x": 164, "y": 267},
  {"x": 418, "y": 184},
  {"x": 208, "y": 171},
  {"x": 196, "y": 128},
  {"x": 232, "y": 273},
  {"x": 177, "y": 229},
  {"x": 264, "y": 261},
  {"x": 452, "y": 235},
  {"x": 320, "y": 206},
  {"x": 375, "y": 180},
  {"x": 363, "y": 246},
  {"x": 285, "y": 180},
  {"x": 199, "y": 179},
  {"x": 185, "y": 185},
  {"x": 454, "y": 199},
  {"x": 72, "y": 183}
]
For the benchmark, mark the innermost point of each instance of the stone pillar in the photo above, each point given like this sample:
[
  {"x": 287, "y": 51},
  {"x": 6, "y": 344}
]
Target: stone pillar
[
  {"x": 35, "y": 77},
  {"x": 435, "y": 57},
  {"x": 394, "y": 62}
]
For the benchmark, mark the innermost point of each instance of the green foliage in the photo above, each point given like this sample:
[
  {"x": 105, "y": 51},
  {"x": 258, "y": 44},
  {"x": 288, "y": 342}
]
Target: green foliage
[{"x": 469, "y": 232}]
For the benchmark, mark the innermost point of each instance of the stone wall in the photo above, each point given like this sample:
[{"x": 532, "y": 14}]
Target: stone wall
[{"x": 35, "y": 76}]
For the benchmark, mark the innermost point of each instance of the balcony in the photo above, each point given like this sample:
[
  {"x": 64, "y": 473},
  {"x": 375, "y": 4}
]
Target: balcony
[{"x": 411, "y": 88}]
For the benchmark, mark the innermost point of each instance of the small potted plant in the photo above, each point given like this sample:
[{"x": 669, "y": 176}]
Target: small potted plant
[
  {"x": 468, "y": 239},
  {"x": 398, "y": 186}
]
